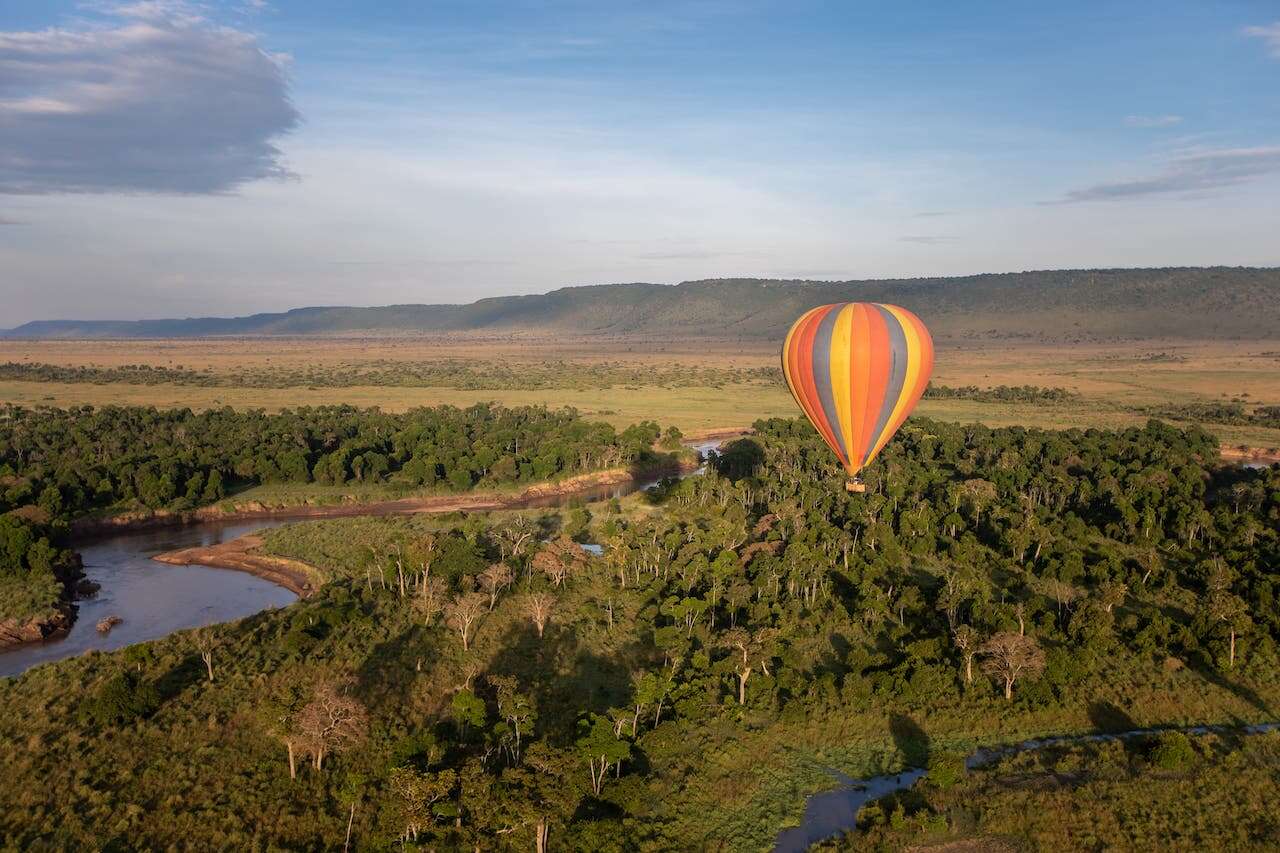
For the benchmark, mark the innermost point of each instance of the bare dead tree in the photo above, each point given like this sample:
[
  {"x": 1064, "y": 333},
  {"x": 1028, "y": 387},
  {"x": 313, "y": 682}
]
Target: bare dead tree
[
  {"x": 462, "y": 613},
  {"x": 205, "y": 644},
  {"x": 514, "y": 536},
  {"x": 430, "y": 600},
  {"x": 539, "y": 606},
  {"x": 559, "y": 559},
  {"x": 332, "y": 721},
  {"x": 496, "y": 577},
  {"x": 1009, "y": 656}
]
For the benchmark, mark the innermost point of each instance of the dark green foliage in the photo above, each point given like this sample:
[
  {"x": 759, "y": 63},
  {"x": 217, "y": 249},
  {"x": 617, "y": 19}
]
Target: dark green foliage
[
  {"x": 1092, "y": 796},
  {"x": 738, "y": 635},
  {"x": 123, "y": 458},
  {"x": 1000, "y": 394},
  {"x": 946, "y": 769},
  {"x": 1172, "y": 751},
  {"x": 468, "y": 375},
  {"x": 35, "y": 574},
  {"x": 120, "y": 700},
  {"x": 1232, "y": 413}
]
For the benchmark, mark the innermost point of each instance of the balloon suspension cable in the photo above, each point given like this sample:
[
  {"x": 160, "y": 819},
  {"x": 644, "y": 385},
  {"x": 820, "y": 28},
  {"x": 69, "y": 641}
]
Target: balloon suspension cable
[{"x": 855, "y": 485}]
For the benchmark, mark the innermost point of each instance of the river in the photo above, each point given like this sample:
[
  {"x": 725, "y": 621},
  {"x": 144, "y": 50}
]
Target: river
[
  {"x": 828, "y": 814},
  {"x": 154, "y": 599},
  {"x": 151, "y": 598}
]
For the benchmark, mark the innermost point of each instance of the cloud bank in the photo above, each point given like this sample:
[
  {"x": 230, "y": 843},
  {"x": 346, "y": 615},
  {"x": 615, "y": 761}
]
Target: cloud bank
[
  {"x": 1195, "y": 172},
  {"x": 154, "y": 98}
]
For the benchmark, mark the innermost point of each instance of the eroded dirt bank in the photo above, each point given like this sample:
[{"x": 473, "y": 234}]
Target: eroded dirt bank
[{"x": 36, "y": 629}]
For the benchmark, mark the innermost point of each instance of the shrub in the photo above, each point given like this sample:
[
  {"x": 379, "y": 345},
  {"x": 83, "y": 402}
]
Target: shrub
[
  {"x": 1172, "y": 751},
  {"x": 946, "y": 769}
]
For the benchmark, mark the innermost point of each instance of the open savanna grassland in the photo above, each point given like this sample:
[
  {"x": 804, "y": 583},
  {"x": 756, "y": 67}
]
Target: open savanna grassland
[{"x": 696, "y": 385}]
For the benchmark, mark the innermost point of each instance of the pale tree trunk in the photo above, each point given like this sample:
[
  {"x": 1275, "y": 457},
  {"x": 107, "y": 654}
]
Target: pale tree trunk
[
  {"x": 742, "y": 685},
  {"x": 293, "y": 764},
  {"x": 968, "y": 669},
  {"x": 1232, "y": 661},
  {"x": 350, "y": 820},
  {"x": 1008, "y": 688},
  {"x": 207, "y": 657},
  {"x": 320, "y": 758},
  {"x": 540, "y": 833}
]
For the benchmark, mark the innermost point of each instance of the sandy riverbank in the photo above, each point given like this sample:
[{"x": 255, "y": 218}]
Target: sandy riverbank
[
  {"x": 1251, "y": 455},
  {"x": 241, "y": 554}
]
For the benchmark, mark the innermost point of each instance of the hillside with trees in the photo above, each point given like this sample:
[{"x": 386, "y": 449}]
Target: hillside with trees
[
  {"x": 1212, "y": 303},
  {"x": 487, "y": 680}
]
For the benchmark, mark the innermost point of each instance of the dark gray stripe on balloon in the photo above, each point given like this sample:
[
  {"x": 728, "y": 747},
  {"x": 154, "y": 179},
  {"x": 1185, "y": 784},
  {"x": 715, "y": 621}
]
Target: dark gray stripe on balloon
[
  {"x": 822, "y": 373},
  {"x": 897, "y": 375}
]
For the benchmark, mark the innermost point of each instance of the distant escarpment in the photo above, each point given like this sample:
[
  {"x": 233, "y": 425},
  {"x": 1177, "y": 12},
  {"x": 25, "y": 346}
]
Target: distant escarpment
[{"x": 1209, "y": 303}]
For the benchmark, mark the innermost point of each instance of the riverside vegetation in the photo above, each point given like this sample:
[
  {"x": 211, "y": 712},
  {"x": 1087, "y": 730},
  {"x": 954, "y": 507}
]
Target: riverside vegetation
[
  {"x": 1118, "y": 795},
  {"x": 58, "y": 465},
  {"x": 485, "y": 680}
]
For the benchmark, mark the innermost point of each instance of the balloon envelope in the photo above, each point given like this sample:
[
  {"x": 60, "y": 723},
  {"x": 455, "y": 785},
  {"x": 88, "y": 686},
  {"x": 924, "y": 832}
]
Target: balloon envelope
[{"x": 857, "y": 369}]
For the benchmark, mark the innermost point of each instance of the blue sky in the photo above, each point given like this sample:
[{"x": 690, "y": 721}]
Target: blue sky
[{"x": 164, "y": 158}]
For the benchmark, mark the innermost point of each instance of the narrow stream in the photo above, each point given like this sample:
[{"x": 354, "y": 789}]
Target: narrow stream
[
  {"x": 154, "y": 599},
  {"x": 830, "y": 813}
]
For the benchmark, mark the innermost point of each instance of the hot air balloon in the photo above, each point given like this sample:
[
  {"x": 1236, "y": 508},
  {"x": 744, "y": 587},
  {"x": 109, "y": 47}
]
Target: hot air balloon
[{"x": 857, "y": 369}]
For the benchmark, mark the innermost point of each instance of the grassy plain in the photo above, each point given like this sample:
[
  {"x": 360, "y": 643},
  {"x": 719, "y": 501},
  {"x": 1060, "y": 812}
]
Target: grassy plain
[{"x": 1117, "y": 384}]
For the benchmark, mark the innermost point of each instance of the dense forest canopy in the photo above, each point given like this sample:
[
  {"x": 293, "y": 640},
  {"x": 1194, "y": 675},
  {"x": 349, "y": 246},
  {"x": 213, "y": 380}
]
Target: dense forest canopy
[
  {"x": 69, "y": 461},
  {"x": 494, "y": 683}
]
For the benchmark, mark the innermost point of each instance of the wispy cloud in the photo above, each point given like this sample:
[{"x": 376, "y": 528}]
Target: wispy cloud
[
  {"x": 1270, "y": 34},
  {"x": 154, "y": 98},
  {"x": 1194, "y": 172},
  {"x": 1152, "y": 121},
  {"x": 926, "y": 239},
  {"x": 4, "y": 220},
  {"x": 929, "y": 214}
]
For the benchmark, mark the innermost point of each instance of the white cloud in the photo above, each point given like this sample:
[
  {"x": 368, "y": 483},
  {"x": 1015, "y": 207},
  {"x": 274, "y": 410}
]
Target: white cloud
[
  {"x": 1152, "y": 121},
  {"x": 155, "y": 98},
  {"x": 1269, "y": 34},
  {"x": 1188, "y": 173}
]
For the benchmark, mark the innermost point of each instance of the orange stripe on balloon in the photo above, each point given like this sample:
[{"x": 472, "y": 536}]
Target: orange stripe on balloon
[
  {"x": 859, "y": 370},
  {"x": 789, "y": 357}
]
